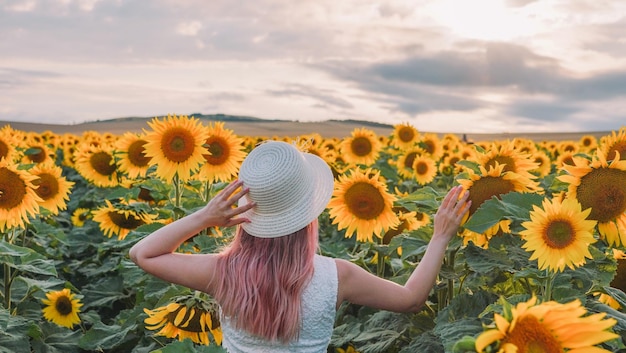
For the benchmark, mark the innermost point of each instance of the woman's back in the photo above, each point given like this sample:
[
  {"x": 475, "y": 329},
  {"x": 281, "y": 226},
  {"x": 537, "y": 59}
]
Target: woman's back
[{"x": 319, "y": 301}]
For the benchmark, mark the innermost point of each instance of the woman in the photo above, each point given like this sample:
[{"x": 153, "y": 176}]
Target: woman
[{"x": 275, "y": 293}]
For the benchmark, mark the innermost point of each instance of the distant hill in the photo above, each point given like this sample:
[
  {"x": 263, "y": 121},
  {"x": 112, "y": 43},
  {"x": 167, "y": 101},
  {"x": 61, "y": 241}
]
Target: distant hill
[
  {"x": 241, "y": 125},
  {"x": 252, "y": 126}
]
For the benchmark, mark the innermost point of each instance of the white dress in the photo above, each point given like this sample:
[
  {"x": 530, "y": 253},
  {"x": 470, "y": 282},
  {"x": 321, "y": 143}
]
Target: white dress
[{"x": 318, "y": 318}]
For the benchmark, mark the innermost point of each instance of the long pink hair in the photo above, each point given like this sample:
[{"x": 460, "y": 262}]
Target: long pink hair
[{"x": 263, "y": 279}]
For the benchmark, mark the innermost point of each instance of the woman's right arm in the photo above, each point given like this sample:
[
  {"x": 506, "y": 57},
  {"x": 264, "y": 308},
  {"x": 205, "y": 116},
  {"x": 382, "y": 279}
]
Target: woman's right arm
[
  {"x": 358, "y": 286},
  {"x": 156, "y": 254}
]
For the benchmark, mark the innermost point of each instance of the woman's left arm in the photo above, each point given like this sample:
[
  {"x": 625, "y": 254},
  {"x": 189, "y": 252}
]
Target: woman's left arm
[{"x": 156, "y": 254}]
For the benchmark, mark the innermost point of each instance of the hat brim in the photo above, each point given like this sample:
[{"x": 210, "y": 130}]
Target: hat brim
[{"x": 303, "y": 211}]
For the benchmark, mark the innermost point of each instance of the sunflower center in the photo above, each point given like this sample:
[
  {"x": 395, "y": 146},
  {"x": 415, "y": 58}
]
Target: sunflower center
[
  {"x": 559, "y": 234},
  {"x": 604, "y": 191},
  {"x": 63, "y": 305},
  {"x": 136, "y": 154},
  {"x": 48, "y": 186},
  {"x": 509, "y": 163},
  {"x": 36, "y": 154},
  {"x": 620, "y": 147},
  {"x": 485, "y": 188},
  {"x": 619, "y": 281},
  {"x": 101, "y": 163},
  {"x": 218, "y": 151},
  {"x": 178, "y": 144},
  {"x": 568, "y": 160},
  {"x": 4, "y": 149},
  {"x": 429, "y": 146},
  {"x": 421, "y": 168},
  {"x": 12, "y": 189},
  {"x": 410, "y": 158},
  {"x": 125, "y": 221},
  {"x": 361, "y": 146},
  {"x": 530, "y": 336},
  {"x": 406, "y": 134},
  {"x": 586, "y": 142},
  {"x": 364, "y": 201},
  {"x": 187, "y": 324}
]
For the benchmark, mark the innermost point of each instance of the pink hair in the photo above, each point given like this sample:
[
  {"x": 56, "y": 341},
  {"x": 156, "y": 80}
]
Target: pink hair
[{"x": 263, "y": 279}]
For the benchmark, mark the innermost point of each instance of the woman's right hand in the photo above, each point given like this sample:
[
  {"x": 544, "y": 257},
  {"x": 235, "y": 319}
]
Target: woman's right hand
[{"x": 221, "y": 211}]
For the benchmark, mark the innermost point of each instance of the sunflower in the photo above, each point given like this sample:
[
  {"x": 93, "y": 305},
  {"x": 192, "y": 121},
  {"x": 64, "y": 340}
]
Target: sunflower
[
  {"x": 600, "y": 185},
  {"x": 408, "y": 222},
  {"x": 549, "y": 327},
  {"x": 432, "y": 144},
  {"x": 361, "y": 148},
  {"x": 404, "y": 136},
  {"x": 130, "y": 150},
  {"x": 404, "y": 163},
  {"x": 424, "y": 169},
  {"x": 483, "y": 186},
  {"x": 225, "y": 154},
  {"x": 619, "y": 281},
  {"x": 492, "y": 182},
  {"x": 558, "y": 234},
  {"x": 565, "y": 158},
  {"x": 588, "y": 143},
  {"x": 191, "y": 319},
  {"x": 18, "y": 198},
  {"x": 349, "y": 349},
  {"x": 544, "y": 163},
  {"x": 448, "y": 165},
  {"x": 36, "y": 151},
  {"x": 361, "y": 203},
  {"x": 615, "y": 144},
  {"x": 79, "y": 216},
  {"x": 568, "y": 146},
  {"x": 96, "y": 163},
  {"x": 51, "y": 186},
  {"x": 175, "y": 146},
  {"x": 513, "y": 160},
  {"x": 67, "y": 145},
  {"x": 7, "y": 143},
  {"x": 120, "y": 219},
  {"x": 62, "y": 308}
]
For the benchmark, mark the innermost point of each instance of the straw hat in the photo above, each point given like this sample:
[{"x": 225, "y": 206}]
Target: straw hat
[{"x": 291, "y": 189}]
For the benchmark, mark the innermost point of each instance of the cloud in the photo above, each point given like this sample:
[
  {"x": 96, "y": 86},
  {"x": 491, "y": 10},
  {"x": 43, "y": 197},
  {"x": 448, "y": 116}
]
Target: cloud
[
  {"x": 321, "y": 97},
  {"x": 535, "y": 87}
]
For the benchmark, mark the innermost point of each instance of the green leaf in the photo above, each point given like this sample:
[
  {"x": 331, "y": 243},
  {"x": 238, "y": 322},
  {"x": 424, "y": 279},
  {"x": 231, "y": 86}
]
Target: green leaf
[
  {"x": 513, "y": 206},
  {"x": 425, "y": 197},
  {"x": 426, "y": 342},
  {"x": 56, "y": 339},
  {"x": 187, "y": 346},
  {"x": 104, "y": 293},
  {"x": 486, "y": 261},
  {"x": 13, "y": 329},
  {"x": 101, "y": 336},
  {"x": 25, "y": 259},
  {"x": 376, "y": 340}
]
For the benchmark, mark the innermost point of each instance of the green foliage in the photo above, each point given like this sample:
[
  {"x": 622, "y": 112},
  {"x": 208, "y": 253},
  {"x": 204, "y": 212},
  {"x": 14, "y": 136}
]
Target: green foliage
[{"x": 475, "y": 282}]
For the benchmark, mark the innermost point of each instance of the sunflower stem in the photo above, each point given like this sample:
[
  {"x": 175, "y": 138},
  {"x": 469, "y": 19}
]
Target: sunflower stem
[
  {"x": 450, "y": 263},
  {"x": 380, "y": 264},
  {"x": 177, "y": 194},
  {"x": 208, "y": 186},
  {"x": 548, "y": 287},
  {"x": 9, "y": 237},
  {"x": 8, "y": 281}
]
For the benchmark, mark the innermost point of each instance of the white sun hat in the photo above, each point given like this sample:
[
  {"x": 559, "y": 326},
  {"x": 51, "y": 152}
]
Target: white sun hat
[{"x": 291, "y": 189}]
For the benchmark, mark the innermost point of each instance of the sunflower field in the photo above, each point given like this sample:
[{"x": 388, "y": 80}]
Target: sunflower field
[{"x": 538, "y": 264}]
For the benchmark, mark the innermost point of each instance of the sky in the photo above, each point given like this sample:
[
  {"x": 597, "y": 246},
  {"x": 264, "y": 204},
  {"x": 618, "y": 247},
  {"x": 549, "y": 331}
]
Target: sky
[{"x": 464, "y": 66}]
